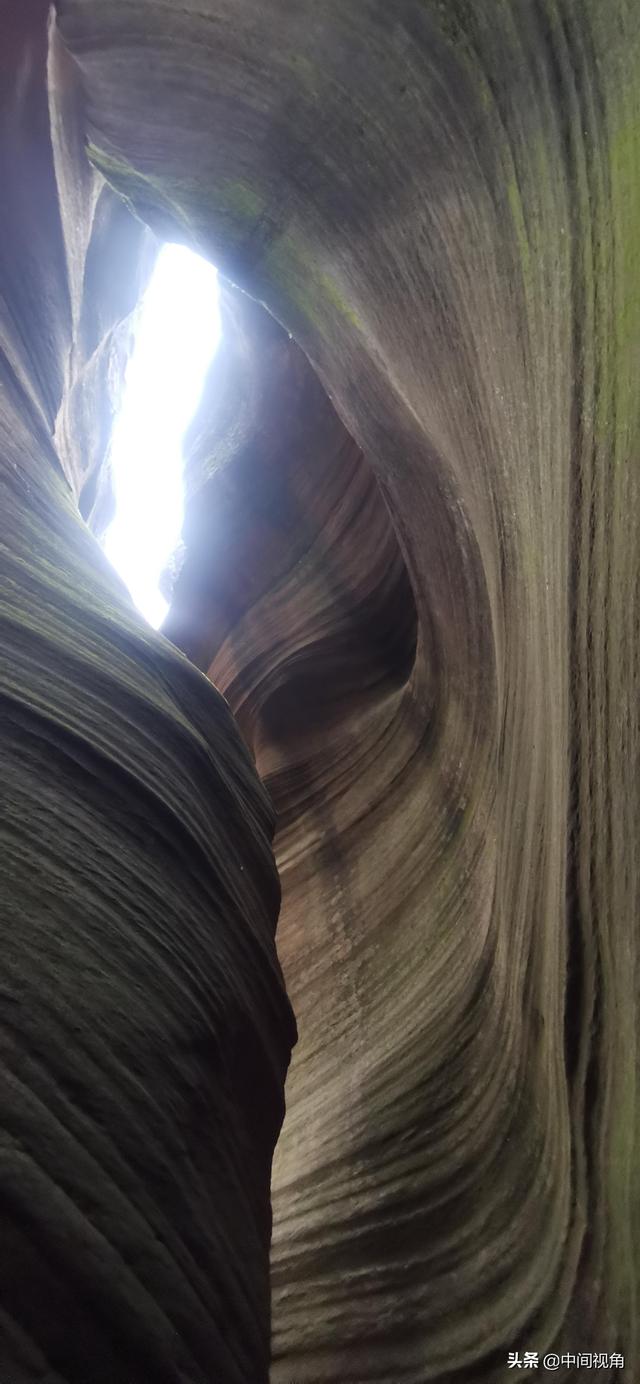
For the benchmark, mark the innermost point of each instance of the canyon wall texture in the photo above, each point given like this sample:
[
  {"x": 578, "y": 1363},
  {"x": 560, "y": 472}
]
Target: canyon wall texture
[
  {"x": 411, "y": 566},
  {"x": 440, "y": 202},
  {"x": 141, "y": 1002}
]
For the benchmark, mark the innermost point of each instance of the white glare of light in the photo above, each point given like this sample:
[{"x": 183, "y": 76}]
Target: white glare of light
[{"x": 177, "y": 333}]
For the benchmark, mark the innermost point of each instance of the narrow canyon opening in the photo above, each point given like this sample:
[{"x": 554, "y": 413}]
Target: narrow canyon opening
[{"x": 176, "y": 334}]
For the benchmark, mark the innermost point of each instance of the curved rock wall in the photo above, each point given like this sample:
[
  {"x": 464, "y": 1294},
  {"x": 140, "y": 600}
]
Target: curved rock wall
[
  {"x": 108, "y": 256},
  {"x": 440, "y": 202},
  {"x": 144, "y": 1029}
]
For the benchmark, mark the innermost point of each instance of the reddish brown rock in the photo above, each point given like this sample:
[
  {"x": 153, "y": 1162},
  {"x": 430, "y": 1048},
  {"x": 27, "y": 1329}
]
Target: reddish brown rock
[
  {"x": 440, "y": 204},
  {"x": 421, "y": 601}
]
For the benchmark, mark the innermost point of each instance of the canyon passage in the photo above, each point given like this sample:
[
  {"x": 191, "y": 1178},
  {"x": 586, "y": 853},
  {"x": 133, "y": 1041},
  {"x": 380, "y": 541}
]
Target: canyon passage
[{"x": 319, "y": 906}]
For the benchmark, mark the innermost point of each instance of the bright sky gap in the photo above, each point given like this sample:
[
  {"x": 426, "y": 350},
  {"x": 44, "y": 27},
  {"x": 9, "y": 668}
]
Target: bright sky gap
[{"x": 177, "y": 333}]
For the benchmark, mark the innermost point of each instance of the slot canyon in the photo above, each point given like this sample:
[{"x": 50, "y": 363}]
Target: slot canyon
[{"x": 319, "y": 906}]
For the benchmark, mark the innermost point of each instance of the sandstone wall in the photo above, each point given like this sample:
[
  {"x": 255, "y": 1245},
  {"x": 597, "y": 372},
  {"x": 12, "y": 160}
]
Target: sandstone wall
[{"x": 440, "y": 203}]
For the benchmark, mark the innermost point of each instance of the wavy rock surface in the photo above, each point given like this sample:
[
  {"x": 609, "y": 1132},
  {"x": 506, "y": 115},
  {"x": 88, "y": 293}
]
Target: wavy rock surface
[
  {"x": 144, "y": 1030},
  {"x": 108, "y": 256},
  {"x": 441, "y": 203}
]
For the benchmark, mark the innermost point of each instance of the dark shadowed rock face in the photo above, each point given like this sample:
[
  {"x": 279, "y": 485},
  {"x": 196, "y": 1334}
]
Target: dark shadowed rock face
[{"x": 144, "y": 1029}]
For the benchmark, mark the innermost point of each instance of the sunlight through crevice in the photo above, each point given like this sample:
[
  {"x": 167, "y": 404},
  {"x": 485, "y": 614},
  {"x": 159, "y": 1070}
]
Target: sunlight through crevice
[{"x": 176, "y": 336}]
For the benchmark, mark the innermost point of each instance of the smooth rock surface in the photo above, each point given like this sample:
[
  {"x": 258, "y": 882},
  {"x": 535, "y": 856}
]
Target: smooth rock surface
[
  {"x": 440, "y": 201},
  {"x": 144, "y": 1028}
]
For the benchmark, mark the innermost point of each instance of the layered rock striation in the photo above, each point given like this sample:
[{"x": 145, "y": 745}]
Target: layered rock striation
[
  {"x": 440, "y": 203},
  {"x": 144, "y": 1028},
  {"x": 412, "y": 570}
]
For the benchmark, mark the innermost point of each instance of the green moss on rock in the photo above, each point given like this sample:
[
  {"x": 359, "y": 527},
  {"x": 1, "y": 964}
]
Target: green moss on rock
[{"x": 313, "y": 292}]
